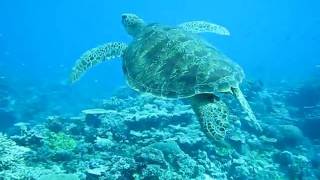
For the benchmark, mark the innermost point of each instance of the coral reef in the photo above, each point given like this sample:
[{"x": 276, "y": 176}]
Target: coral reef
[
  {"x": 61, "y": 141},
  {"x": 130, "y": 136},
  {"x": 59, "y": 177},
  {"x": 11, "y": 157}
]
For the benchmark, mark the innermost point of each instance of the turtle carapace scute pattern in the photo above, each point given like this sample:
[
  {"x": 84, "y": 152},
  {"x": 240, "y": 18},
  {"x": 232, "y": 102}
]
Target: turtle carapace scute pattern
[{"x": 172, "y": 63}]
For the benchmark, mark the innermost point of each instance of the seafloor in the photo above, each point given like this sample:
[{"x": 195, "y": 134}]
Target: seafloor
[{"x": 132, "y": 136}]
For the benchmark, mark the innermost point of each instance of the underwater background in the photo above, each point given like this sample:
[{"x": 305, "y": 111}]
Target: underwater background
[{"x": 98, "y": 128}]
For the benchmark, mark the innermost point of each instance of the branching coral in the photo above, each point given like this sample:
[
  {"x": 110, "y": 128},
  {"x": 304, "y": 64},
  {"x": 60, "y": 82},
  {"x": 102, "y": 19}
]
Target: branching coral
[{"x": 10, "y": 154}]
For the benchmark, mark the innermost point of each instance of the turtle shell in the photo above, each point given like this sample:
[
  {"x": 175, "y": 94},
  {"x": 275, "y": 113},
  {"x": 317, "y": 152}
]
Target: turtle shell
[{"x": 172, "y": 63}]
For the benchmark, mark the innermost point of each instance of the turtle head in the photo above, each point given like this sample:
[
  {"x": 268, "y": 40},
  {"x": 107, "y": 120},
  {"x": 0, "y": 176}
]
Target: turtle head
[{"x": 132, "y": 23}]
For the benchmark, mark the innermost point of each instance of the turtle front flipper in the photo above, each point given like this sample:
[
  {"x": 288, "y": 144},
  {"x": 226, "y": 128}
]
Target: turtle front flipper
[
  {"x": 94, "y": 56},
  {"x": 246, "y": 107},
  {"x": 203, "y": 26},
  {"x": 212, "y": 114}
]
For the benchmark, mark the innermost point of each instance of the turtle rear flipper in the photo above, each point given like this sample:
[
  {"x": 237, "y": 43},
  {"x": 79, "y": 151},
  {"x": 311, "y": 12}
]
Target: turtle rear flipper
[
  {"x": 213, "y": 116},
  {"x": 203, "y": 26},
  {"x": 95, "y": 56},
  {"x": 246, "y": 107}
]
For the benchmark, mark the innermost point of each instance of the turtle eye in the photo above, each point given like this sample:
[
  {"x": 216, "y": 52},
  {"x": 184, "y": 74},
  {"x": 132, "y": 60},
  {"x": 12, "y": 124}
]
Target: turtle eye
[
  {"x": 126, "y": 20},
  {"x": 124, "y": 16}
]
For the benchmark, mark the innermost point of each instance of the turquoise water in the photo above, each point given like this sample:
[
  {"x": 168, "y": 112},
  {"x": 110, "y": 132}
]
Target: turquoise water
[{"x": 56, "y": 128}]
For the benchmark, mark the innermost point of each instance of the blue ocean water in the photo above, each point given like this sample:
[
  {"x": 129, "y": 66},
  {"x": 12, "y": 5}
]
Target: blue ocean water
[{"x": 276, "y": 43}]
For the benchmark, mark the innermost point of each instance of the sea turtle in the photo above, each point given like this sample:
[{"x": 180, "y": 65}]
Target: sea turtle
[{"x": 173, "y": 62}]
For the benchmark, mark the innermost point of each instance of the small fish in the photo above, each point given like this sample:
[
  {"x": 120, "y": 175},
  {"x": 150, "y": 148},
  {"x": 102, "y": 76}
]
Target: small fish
[
  {"x": 309, "y": 107},
  {"x": 318, "y": 66}
]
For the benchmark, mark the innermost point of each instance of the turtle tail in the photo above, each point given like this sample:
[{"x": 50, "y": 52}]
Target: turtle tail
[
  {"x": 213, "y": 116},
  {"x": 95, "y": 56}
]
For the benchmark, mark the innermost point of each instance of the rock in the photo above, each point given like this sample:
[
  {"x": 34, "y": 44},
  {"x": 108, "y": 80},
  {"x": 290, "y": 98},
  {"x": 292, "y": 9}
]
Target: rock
[
  {"x": 122, "y": 168},
  {"x": 94, "y": 174},
  {"x": 149, "y": 155},
  {"x": 238, "y": 141},
  {"x": 55, "y": 123},
  {"x": 152, "y": 171},
  {"x": 113, "y": 103},
  {"x": 240, "y": 172},
  {"x": 27, "y": 137},
  {"x": 59, "y": 177},
  {"x": 104, "y": 143},
  {"x": 188, "y": 167},
  {"x": 167, "y": 148},
  {"x": 93, "y": 116},
  {"x": 284, "y": 158},
  {"x": 290, "y": 135},
  {"x": 238, "y": 138},
  {"x": 62, "y": 156},
  {"x": 268, "y": 140}
]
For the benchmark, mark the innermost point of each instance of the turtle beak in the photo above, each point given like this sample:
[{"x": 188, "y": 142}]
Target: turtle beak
[{"x": 124, "y": 18}]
